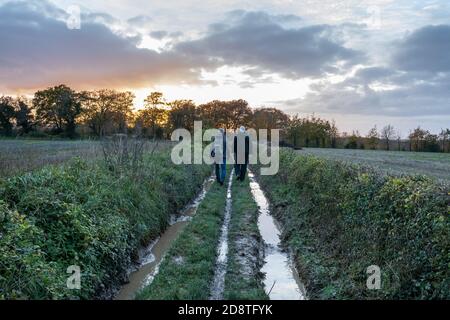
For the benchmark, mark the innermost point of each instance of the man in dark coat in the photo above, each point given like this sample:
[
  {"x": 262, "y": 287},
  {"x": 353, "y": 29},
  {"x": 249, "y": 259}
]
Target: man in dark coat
[
  {"x": 241, "y": 153},
  {"x": 220, "y": 148}
]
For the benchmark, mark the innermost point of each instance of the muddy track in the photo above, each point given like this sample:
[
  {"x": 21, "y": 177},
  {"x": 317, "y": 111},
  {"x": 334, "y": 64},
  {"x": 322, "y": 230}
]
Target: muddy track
[
  {"x": 232, "y": 247},
  {"x": 244, "y": 280},
  {"x": 281, "y": 277},
  {"x": 218, "y": 284},
  {"x": 150, "y": 257}
]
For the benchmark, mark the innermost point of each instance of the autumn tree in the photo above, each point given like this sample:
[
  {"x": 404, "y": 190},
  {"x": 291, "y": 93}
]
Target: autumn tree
[
  {"x": 444, "y": 137},
  {"x": 154, "y": 116},
  {"x": 24, "y": 115},
  {"x": 58, "y": 107},
  {"x": 238, "y": 113},
  {"x": 182, "y": 114},
  {"x": 6, "y": 115},
  {"x": 372, "y": 138},
  {"x": 270, "y": 118},
  {"x": 106, "y": 111},
  {"x": 416, "y": 137},
  {"x": 334, "y": 134}
]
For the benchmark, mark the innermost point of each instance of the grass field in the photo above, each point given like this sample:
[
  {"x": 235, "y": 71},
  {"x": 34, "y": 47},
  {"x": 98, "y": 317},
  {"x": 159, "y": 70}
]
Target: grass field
[
  {"x": 435, "y": 165},
  {"x": 19, "y": 156}
]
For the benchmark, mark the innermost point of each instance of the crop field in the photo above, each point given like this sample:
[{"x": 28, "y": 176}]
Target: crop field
[
  {"x": 435, "y": 165},
  {"x": 18, "y": 156}
]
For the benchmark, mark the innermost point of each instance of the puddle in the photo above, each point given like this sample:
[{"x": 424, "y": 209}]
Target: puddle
[
  {"x": 282, "y": 280},
  {"x": 151, "y": 256},
  {"x": 222, "y": 250}
]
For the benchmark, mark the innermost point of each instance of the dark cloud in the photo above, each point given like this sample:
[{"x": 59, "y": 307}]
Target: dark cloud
[
  {"x": 38, "y": 50},
  {"x": 256, "y": 39},
  {"x": 159, "y": 35},
  {"x": 140, "y": 21},
  {"x": 416, "y": 82},
  {"x": 380, "y": 91},
  {"x": 426, "y": 50}
]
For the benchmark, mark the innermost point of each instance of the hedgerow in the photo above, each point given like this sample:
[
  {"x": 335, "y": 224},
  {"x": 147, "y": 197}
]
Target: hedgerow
[
  {"x": 83, "y": 214},
  {"x": 340, "y": 218}
]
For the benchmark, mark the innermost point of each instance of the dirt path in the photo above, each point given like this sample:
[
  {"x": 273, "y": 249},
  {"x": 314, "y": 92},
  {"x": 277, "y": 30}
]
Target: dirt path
[
  {"x": 222, "y": 249},
  {"x": 281, "y": 277},
  {"x": 232, "y": 247}
]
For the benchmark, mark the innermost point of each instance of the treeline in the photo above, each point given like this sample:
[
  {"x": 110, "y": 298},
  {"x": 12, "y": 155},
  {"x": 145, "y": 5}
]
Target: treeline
[{"x": 62, "y": 112}]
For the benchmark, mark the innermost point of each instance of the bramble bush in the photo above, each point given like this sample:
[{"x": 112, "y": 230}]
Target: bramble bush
[
  {"x": 340, "y": 218},
  {"x": 85, "y": 214}
]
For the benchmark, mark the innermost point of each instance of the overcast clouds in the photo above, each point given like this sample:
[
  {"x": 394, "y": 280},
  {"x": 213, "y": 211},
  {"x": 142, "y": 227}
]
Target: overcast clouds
[{"x": 355, "y": 60}]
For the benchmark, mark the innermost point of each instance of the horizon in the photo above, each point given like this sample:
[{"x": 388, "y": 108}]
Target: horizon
[{"x": 361, "y": 63}]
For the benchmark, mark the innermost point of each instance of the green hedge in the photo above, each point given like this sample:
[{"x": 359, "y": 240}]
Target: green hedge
[
  {"x": 340, "y": 218},
  {"x": 82, "y": 214}
]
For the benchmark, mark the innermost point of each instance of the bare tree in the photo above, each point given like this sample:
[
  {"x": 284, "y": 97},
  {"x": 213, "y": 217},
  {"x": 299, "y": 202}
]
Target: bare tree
[{"x": 387, "y": 133}]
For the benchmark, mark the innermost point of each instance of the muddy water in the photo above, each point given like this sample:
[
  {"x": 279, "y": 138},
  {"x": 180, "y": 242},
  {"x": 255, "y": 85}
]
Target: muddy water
[
  {"x": 281, "y": 281},
  {"x": 222, "y": 249},
  {"x": 151, "y": 256}
]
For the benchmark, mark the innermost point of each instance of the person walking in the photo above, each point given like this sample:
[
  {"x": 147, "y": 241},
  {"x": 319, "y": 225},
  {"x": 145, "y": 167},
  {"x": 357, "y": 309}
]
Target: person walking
[
  {"x": 241, "y": 153},
  {"x": 219, "y": 153}
]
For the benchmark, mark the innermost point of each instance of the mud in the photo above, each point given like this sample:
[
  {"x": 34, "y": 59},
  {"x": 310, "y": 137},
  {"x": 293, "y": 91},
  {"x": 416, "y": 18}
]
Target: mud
[
  {"x": 281, "y": 278},
  {"x": 218, "y": 284},
  {"x": 151, "y": 256}
]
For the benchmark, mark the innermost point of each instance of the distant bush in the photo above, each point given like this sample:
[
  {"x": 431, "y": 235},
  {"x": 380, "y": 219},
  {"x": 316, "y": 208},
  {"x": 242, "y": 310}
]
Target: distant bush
[
  {"x": 84, "y": 214},
  {"x": 340, "y": 218}
]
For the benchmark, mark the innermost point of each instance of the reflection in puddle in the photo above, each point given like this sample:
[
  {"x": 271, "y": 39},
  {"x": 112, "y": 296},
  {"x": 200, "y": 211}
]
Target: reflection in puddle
[
  {"x": 222, "y": 250},
  {"x": 281, "y": 277},
  {"x": 151, "y": 256}
]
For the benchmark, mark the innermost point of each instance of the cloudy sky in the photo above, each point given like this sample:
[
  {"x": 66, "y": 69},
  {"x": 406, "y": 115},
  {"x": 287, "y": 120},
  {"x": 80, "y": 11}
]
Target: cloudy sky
[{"x": 360, "y": 62}]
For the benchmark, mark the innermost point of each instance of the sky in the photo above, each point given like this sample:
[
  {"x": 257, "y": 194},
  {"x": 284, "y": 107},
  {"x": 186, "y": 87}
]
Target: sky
[{"x": 359, "y": 62}]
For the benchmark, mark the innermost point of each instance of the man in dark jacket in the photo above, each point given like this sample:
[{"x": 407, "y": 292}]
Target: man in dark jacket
[
  {"x": 241, "y": 153},
  {"x": 220, "y": 148}
]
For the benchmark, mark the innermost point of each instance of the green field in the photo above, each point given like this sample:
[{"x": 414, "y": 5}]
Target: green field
[
  {"x": 18, "y": 156},
  {"x": 435, "y": 165}
]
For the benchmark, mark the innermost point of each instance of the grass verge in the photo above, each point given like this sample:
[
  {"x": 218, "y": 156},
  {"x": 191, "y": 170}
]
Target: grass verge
[
  {"x": 243, "y": 280},
  {"x": 339, "y": 219},
  {"x": 81, "y": 213},
  {"x": 187, "y": 270}
]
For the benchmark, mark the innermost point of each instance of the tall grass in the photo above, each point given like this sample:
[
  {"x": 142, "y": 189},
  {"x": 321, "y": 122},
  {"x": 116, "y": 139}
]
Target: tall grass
[{"x": 82, "y": 213}]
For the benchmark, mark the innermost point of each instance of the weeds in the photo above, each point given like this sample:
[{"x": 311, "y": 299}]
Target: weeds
[{"x": 82, "y": 214}]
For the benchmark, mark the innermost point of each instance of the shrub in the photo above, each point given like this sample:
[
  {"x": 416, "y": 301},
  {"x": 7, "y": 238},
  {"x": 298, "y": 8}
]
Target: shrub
[{"x": 84, "y": 214}]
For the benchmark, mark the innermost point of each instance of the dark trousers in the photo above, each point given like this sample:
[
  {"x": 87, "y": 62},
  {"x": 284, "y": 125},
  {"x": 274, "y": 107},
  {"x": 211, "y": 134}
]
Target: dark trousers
[
  {"x": 221, "y": 172},
  {"x": 240, "y": 170}
]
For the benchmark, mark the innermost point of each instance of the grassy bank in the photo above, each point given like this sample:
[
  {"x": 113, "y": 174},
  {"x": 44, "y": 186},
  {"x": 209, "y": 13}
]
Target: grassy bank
[
  {"x": 188, "y": 267},
  {"x": 243, "y": 280},
  {"x": 81, "y": 213},
  {"x": 339, "y": 219}
]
